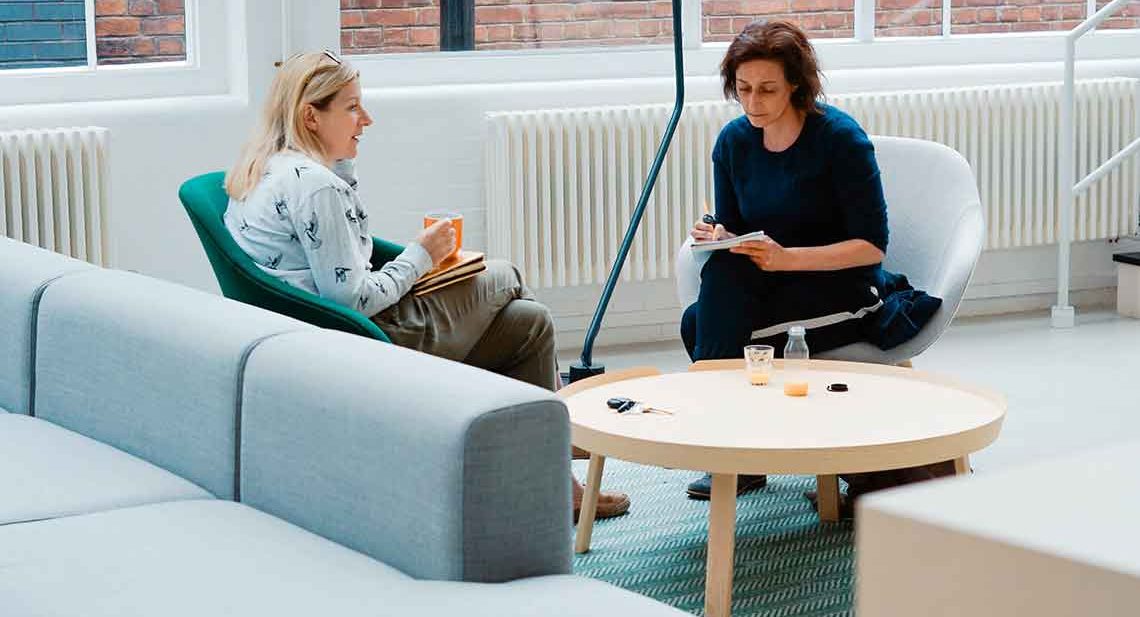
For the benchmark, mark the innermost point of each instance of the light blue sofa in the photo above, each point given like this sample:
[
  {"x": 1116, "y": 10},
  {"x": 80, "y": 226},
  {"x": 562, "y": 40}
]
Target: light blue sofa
[{"x": 168, "y": 452}]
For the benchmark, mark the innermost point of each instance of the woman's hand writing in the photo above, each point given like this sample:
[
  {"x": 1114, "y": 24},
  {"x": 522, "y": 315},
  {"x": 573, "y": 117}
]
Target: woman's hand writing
[
  {"x": 438, "y": 240},
  {"x": 703, "y": 232},
  {"x": 767, "y": 254}
]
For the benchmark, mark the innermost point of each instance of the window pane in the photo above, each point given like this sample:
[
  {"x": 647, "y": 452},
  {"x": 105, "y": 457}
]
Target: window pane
[
  {"x": 396, "y": 26},
  {"x": 975, "y": 16},
  {"x": 528, "y": 24},
  {"x": 366, "y": 27},
  {"x": 724, "y": 19},
  {"x": 134, "y": 31},
  {"x": 908, "y": 18},
  {"x": 1125, "y": 17},
  {"x": 42, "y": 34}
]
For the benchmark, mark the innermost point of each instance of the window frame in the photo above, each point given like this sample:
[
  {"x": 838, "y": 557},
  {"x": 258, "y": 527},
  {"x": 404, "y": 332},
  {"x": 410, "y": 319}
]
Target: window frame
[
  {"x": 864, "y": 51},
  {"x": 203, "y": 72}
]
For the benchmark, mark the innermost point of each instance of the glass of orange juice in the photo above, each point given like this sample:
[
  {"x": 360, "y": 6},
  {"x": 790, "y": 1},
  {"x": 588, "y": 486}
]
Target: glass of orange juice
[
  {"x": 758, "y": 363},
  {"x": 431, "y": 218}
]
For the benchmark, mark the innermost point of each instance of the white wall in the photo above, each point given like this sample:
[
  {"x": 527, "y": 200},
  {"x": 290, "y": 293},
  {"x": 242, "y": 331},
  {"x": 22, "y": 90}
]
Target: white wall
[
  {"x": 425, "y": 151},
  {"x": 155, "y": 146}
]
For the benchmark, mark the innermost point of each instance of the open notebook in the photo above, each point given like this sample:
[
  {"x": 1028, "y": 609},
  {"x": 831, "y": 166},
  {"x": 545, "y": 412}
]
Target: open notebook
[
  {"x": 459, "y": 268},
  {"x": 713, "y": 245}
]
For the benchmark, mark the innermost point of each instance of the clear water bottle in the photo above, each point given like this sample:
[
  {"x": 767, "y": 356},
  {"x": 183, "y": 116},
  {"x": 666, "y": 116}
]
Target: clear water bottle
[{"x": 795, "y": 363}]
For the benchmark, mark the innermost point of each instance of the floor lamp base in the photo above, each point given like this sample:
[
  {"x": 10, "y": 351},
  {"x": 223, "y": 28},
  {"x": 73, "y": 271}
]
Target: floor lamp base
[{"x": 580, "y": 371}]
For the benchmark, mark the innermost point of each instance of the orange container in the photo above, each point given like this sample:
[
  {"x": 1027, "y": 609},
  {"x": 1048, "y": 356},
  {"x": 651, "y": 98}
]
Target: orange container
[
  {"x": 796, "y": 388},
  {"x": 456, "y": 221}
]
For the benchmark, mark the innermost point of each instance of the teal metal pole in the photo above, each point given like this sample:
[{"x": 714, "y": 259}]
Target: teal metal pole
[{"x": 585, "y": 366}]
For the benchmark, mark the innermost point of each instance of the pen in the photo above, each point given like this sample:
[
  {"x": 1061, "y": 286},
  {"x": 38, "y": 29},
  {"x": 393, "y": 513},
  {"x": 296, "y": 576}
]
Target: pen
[{"x": 708, "y": 218}]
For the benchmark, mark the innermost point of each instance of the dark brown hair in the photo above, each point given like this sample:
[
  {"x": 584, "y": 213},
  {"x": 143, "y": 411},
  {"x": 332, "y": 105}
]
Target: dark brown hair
[{"x": 783, "y": 42}]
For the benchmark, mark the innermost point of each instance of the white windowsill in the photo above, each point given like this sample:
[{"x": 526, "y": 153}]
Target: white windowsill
[{"x": 502, "y": 67}]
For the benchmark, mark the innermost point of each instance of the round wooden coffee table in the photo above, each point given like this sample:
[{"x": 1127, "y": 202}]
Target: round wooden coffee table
[{"x": 890, "y": 417}]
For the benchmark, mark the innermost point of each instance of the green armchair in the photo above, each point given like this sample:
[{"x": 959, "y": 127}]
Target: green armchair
[{"x": 205, "y": 200}]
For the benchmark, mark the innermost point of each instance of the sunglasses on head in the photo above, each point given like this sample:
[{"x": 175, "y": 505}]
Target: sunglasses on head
[{"x": 328, "y": 54}]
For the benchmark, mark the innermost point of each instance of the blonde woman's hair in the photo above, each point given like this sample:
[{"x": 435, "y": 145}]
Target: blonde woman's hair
[{"x": 305, "y": 79}]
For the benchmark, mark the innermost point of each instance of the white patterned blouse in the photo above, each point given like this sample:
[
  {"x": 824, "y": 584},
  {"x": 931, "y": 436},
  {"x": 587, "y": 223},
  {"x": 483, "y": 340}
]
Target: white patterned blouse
[{"x": 304, "y": 224}]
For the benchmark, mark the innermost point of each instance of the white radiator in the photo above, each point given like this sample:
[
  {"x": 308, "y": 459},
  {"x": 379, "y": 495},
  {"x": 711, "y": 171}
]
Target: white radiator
[
  {"x": 54, "y": 190},
  {"x": 561, "y": 184}
]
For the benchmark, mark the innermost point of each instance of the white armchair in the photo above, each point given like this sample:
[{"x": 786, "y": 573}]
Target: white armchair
[{"x": 936, "y": 235}]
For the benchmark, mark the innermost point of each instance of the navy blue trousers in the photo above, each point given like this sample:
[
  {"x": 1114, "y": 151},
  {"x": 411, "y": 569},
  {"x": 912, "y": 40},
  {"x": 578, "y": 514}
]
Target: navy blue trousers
[{"x": 738, "y": 301}]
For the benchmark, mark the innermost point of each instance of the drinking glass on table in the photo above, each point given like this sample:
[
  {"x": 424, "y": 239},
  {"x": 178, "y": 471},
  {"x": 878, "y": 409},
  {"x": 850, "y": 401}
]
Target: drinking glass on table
[{"x": 758, "y": 363}]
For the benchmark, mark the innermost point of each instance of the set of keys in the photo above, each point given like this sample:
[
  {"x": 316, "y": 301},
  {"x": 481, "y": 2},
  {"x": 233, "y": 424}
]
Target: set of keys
[{"x": 622, "y": 405}]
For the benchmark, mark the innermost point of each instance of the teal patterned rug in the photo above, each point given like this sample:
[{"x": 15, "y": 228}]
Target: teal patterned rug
[{"x": 787, "y": 563}]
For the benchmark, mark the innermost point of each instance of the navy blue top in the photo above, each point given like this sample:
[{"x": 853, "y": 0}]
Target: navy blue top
[{"x": 823, "y": 189}]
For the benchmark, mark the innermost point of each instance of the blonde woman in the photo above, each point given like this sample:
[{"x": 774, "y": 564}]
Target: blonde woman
[{"x": 294, "y": 209}]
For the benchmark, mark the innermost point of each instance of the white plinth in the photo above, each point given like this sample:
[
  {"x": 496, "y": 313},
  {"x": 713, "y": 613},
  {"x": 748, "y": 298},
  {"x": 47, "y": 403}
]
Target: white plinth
[
  {"x": 1049, "y": 540},
  {"x": 1064, "y": 317},
  {"x": 1128, "y": 290}
]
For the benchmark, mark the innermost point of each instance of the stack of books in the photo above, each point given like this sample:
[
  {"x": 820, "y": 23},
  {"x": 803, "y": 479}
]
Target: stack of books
[{"x": 451, "y": 270}]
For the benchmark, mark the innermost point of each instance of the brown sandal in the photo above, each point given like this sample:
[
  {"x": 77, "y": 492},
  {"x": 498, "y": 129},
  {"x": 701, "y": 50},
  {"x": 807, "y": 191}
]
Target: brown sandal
[{"x": 609, "y": 505}]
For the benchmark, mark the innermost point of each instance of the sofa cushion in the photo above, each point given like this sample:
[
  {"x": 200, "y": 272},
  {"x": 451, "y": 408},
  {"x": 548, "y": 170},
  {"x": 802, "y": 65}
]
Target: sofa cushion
[
  {"x": 49, "y": 471},
  {"x": 19, "y": 291},
  {"x": 187, "y": 558},
  {"x": 149, "y": 367},
  {"x": 193, "y": 558},
  {"x": 549, "y": 596}
]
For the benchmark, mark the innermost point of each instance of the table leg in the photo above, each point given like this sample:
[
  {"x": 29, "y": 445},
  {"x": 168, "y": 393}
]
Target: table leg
[
  {"x": 962, "y": 464},
  {"x": 722, "y": 544},
  {"x": 589, "y": 503},
  {"x": 827, "y": 490}
]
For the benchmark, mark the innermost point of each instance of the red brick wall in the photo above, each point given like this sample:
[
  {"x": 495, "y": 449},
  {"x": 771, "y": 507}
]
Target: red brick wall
[
  {"x": 902, "y": 18},
  {"x": 723, "y": 19},
  {"x": 386, "y": 26},
  {"x": 978, "y": 16},
  {"x": 130, "y": 31},
  {"x": 1128, "y": 17}
]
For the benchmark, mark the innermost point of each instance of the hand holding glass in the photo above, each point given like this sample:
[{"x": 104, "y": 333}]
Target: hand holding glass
[{"x": 456, "y": 221}]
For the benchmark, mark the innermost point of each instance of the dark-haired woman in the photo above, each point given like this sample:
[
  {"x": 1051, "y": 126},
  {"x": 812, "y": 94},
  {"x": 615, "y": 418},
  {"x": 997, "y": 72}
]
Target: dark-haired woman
[{"x": 805, "y": 174}]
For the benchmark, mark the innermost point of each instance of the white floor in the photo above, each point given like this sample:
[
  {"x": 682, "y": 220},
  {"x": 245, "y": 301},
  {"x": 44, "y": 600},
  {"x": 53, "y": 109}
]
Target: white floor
[{"x": 1068, "y": 390}]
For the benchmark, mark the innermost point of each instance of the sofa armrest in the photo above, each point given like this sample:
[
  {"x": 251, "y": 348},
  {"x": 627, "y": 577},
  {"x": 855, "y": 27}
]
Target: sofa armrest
[{"x": 442, "y": 470}]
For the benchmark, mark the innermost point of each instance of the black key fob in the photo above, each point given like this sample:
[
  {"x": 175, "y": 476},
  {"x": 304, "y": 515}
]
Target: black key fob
[{"x": 621, "y": 404}]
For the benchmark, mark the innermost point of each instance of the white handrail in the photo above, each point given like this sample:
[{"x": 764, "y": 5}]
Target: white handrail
[
  {"x": 1117, "y": 159},
  {"x": 1063, "y": 314}
]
